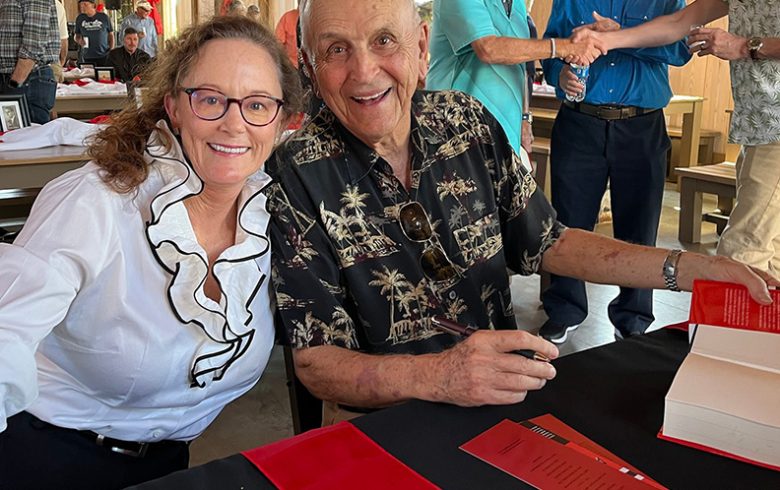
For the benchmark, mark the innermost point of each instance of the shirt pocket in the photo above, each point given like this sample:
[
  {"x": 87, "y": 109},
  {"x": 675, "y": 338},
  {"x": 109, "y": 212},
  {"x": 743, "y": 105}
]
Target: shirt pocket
[{"x": 640, "y": 12}]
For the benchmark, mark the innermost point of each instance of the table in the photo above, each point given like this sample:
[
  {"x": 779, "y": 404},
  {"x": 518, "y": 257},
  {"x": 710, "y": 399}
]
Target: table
[
  {"x": 612, "y": 394},
  {"x": 69, "y": 105},
  {"x": 34, "y": 168},
  {"x": 719, "y": 179},
  {"x": 545, "y": 108}
]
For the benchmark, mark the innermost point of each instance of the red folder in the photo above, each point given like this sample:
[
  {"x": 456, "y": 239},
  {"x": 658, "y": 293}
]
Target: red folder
[{"x": 335, "y": 457}]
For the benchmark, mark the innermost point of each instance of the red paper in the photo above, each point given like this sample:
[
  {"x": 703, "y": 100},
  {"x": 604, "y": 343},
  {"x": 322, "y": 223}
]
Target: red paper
[
  {"x": 544, "y": 463},
  {"x": 730, "y": 305},
  {"x": 335, "y": 457},
  {"x": 578, "y": 442},
  {"x": 713, "y": 450}
]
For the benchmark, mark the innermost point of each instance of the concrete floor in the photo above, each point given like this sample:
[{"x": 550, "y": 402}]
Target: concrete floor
[{"x": 263, "y": 414}]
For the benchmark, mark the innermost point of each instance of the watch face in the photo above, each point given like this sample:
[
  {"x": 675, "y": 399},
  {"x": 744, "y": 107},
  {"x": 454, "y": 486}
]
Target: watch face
[{"x": 755, "y": 43}]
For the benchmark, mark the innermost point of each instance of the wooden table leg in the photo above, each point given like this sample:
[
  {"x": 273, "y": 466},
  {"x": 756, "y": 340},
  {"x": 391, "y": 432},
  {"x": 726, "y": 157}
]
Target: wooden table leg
[
  {"x": 689, "y": 230},
  {"x": 691, "y": 134}
]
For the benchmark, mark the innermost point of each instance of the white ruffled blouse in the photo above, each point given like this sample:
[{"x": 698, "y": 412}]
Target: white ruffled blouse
[{"x": 104, "y": 323}]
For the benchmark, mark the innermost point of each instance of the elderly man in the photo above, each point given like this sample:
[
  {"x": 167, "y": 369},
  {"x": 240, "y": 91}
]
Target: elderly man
[
  {"x": 144, "y": 26},
  {"x": 479, "y": 47},
  {"x": 394, "y": 205},
  {"x": 29, "y": 43},
  {"x": 752, "y": 46},
  {"x": 128, "y": 60}
]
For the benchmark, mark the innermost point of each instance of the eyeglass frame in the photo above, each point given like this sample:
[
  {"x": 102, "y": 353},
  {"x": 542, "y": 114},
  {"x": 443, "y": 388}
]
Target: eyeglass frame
[
  {"x": 432, "y": 245},
  {"x": 230, "y": 100}
]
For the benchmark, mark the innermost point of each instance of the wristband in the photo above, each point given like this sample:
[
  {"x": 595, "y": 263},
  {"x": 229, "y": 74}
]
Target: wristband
[{"x": 552, "y": 47}]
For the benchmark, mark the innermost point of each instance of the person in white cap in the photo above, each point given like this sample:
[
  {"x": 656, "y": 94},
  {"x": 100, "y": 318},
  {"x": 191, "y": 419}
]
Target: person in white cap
[{"x": 144, "y": 25}]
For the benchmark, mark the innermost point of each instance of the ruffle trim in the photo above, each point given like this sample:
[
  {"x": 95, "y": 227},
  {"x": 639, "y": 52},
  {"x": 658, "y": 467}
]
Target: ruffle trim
[{"x": 173, "y": 242}]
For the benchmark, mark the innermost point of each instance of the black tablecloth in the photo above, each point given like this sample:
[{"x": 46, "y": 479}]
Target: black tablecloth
[{"x": 612, "y": 394}]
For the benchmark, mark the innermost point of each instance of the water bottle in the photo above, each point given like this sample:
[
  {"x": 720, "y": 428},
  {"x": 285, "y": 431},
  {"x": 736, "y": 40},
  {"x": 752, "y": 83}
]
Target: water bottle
[{"x": 581, "y": 72}]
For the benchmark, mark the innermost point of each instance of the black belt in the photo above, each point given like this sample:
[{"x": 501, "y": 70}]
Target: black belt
[
  {"x": 608, "y": 112},
  {"x": 128, "y": 448}
]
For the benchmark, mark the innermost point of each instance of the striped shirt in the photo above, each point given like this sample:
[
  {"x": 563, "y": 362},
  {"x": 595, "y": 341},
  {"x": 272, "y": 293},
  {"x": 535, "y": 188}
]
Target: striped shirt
[{"x": 28, "y": 29}]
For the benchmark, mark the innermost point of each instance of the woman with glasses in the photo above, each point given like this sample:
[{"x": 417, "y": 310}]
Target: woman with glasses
[{"x": 134, "y": 304}]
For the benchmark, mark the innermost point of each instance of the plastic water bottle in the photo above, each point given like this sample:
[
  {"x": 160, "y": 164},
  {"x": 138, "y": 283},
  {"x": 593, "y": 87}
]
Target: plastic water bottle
[{"x": 581, "y": 72}]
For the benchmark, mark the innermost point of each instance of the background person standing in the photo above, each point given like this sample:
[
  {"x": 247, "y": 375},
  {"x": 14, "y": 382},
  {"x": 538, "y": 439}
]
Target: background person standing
[
  {"x": 93, "y": 33},
  {"x": 29, "y": 43},
  {"x": 479, "y": 47},
  {"x": 616, "y": 134}
]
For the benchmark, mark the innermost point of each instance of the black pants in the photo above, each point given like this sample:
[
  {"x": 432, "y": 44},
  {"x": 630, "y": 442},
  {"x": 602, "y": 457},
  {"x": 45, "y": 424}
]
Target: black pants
[
  {"x": 585, "y": 152},
  {"x": 38, "y": 455}
]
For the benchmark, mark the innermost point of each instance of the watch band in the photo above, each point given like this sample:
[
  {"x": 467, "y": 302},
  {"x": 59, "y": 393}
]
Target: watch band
[
  {"x": 528, "y": 116},
  {"x": 13, "y": 83},
  {"x": 670, "y": 269}
]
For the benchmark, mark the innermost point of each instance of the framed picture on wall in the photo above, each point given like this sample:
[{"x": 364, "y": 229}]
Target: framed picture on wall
[{"x": 14, "y": 113}]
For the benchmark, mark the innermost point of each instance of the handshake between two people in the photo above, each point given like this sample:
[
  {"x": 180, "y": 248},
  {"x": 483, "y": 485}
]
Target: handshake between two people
[{"x": 586, "y": 46}]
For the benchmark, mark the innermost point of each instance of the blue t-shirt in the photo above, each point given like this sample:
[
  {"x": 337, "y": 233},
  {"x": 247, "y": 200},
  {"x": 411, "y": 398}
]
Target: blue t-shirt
[{"x": 97, "y": 30}]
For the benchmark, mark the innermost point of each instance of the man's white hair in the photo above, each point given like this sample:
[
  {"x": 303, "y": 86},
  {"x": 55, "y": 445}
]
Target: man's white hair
[{"x": 304, "y": 12}]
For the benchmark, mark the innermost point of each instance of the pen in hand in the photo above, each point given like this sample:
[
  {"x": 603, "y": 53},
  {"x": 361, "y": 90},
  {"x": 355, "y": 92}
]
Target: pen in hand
[{"x": 455, "y": 328}]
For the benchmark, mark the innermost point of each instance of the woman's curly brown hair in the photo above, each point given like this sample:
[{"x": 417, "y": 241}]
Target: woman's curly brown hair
[{"x": 118, "y": 149}]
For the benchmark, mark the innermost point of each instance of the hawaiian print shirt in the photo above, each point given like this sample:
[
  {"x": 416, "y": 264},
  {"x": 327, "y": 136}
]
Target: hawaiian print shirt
[
  {"x": 344, "y": 272},
  {"x": 755, "y": 85}
]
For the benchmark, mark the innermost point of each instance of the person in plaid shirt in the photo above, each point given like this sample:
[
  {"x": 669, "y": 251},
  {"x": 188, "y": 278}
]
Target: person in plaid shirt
[{"x": 29, "y": 42}]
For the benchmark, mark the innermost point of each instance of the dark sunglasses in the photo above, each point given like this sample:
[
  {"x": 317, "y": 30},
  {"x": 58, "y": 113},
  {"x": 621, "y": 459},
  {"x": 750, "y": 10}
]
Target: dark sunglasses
[{"x": 417, "y": 227}]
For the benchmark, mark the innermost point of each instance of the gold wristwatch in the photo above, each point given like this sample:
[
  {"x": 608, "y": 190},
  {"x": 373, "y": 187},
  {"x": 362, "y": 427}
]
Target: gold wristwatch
[{"x": 755, "y": 44}]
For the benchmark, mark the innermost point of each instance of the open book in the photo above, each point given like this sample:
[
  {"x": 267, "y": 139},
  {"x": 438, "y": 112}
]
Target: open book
[{"x": 725, "y": 397}]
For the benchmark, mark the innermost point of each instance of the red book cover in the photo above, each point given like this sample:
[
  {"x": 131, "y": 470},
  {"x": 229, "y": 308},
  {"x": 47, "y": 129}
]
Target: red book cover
[
  {"x": 730, "y": 305},
  {"x": 336, "y": 457}
]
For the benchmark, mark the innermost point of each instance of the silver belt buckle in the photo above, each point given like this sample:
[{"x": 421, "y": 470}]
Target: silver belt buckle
[{"x": 139, "y": 453}]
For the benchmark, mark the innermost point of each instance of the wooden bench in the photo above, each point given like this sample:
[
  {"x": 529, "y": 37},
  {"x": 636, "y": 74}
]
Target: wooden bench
[
  {"x": 719, "y": 179},
  {"x": 708, "y": 139}
]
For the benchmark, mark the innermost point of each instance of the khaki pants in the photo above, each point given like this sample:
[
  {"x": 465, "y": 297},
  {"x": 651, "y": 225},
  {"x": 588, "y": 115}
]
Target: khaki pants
[
  {"x": 753, "y": 232},
  {"x": 58, "y": 73},
  {"x": 333, "y": 414}
]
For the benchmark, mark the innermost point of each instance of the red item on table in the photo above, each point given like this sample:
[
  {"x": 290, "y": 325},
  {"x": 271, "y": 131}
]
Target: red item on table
[{"x": 335, "y": 457}]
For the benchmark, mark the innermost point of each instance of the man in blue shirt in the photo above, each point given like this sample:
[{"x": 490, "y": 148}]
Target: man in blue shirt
[
  {"x": 616, "y": 134},
  {"x": 479, "y": 47}
]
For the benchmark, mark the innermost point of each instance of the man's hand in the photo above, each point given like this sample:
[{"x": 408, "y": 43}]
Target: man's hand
[
  {"x": 482, "y": 370},
  {"x": 141, "y": 34},
  {"x": 568, "y": 82},
  {"x": 601, "y": 24},
  {"x": 719, "y": 43},
  {"x": 718, "y": 268},
  {"x": 527, "y": 138},
  {"x": 582, "y": 53}
]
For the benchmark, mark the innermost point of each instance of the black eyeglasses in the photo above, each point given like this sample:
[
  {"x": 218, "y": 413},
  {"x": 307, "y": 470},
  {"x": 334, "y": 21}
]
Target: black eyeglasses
[
  {"x": 210, "y": 105},
  {"x": 417, "y": 227}
]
